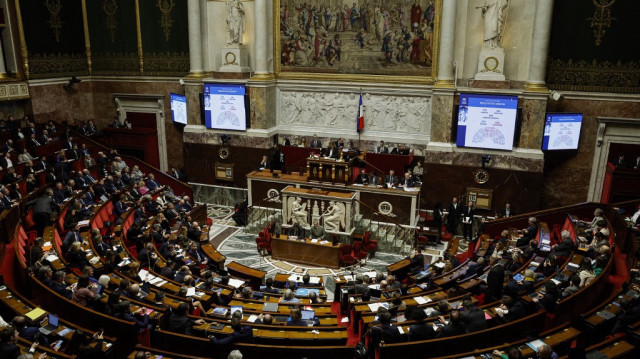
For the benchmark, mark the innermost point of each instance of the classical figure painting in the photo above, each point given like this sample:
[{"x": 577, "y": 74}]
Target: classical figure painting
[{"x": 357, "y": 37}]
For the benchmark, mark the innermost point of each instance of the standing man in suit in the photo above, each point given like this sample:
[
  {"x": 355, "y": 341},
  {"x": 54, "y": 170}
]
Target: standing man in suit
[
  {"x": 315, "y": 142},
  {"x": 467, "y": 221},
  {"x": 382, "y": 148},
  {"x": 453, "y": 217},
  {"x": 391, "y": 180},
  {"x": 42, "y": 208},
  {"x": 276, "y": 158},
  {"x": 507, "y": 211},
  {"x": 495, "y": 280}
]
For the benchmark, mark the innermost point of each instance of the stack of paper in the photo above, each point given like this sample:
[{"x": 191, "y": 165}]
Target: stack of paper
[
  {"x": 314, "y": 280},
  {"x": 236, "y": 283},
  {"x": 420, "y": 300}
]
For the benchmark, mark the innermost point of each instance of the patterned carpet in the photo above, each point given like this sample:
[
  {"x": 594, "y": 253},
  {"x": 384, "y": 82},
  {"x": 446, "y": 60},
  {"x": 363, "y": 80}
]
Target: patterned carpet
[{"x": 230, "y": 240}]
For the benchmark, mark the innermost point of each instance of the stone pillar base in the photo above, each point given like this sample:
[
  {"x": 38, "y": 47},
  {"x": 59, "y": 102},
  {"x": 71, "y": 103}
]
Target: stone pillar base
[
  {"x": 491, "y": 64},
  {"x": 235, "y": 58}
]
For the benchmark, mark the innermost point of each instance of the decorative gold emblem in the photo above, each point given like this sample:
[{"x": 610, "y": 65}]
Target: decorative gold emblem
[
  {"x": 54, "y": 7},
  {"x": 230, "y": 59},
  {"x": 110, "y": 7},
  {"x": 491, "y": 63},
  {"x": 166, "y": 6},
  {"x": 601, "y": 19}
]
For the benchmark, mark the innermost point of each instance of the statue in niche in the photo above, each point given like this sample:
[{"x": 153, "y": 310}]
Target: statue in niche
[
  {"x": 334, "y": 216},
  {"x": 492, "y": 13},
  {"x": 235, "y": 22}
]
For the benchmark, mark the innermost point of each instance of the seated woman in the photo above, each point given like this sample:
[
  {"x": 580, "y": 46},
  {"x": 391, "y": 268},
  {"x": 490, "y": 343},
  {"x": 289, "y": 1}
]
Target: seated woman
[
  {"x": 76, "y": 256},
  {"x": 80, "y": 345},
  {"x": 82, "y": 292}
]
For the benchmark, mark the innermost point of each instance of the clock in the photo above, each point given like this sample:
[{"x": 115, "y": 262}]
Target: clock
[
  {"x": 223, "y": 153},
  {"x": 481, "y": 176}
]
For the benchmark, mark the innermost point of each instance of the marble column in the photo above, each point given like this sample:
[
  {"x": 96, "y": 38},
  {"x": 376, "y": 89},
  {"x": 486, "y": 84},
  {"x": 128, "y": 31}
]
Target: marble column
[
  {"x": 447, "y": 42},
  {"x": 204, "y": 37},
  {"x": 195, "y": 42},
  {"x": 192, "y": 92},
  {"x": 261, "y": 37},
  {"x": 534, "y": 107},
  {"x": 3, "y": 68},
  {"x": 540, "y": 46}
]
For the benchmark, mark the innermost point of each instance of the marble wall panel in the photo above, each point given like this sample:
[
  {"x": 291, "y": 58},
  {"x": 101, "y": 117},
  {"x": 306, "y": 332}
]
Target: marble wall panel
[
  {"x": 441, "y": 117},
  {"x": 533, "y": 117},
  {"x": 53, "y": 102},
  {"x": 192, "y": 92},
  {"x": 224, "y": 196},
  {"x": 567, "y": 174},
  {"x": 262, "y": 107},
  {"x": 474, "y": 160}
]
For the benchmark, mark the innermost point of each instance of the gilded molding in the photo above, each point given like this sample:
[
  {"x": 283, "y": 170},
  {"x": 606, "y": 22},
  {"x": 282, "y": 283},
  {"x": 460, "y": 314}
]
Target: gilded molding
[
  {"x": 594, "y": 76},
  {"x": 139, "y": 37},
  {"x": 601, "y": 20},
  {"x": 54, "y": 7},
  {"x": 118, "y": 64},
  {"x": 429, "y": 80},
  {"x": 167, "y": 63},
  {"x": 43, "y": 65},
  {"x": 23, "y": 43},
  {"x": 14, "y": 91},
  {"x": 87, "y": 41},
  {"x": 166, "y": 23},
  {"x": 110, "y": 7}
]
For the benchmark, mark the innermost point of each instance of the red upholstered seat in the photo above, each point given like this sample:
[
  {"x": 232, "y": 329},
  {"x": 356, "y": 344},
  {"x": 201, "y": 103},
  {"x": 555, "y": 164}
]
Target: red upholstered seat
[
  {"x": 28, "y": 219},
  {"x": 368, "y": 244},
  {"x": 346, "y": 258},
  {"x": 358, "y": 251}
]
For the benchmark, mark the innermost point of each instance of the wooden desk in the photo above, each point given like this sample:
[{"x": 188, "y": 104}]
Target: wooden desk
[
  {"x": 303, "y": 251},
  {"x": 253, "y": 276}
]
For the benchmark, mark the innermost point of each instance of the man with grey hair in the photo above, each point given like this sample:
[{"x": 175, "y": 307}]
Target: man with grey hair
[
  {"x": 528, "y": 233},
  {"x": 564, "y": 248},
  {"x": 289, "y": 298},
  {"x": 235, "y": 354},
  {"x": 597, "y": 216}
]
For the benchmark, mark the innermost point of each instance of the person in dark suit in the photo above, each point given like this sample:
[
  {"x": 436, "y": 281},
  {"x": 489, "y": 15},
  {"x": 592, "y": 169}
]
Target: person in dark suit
[
  {"x": 8, "y": 339},
  {"x": 19, "y": 322},
  {"x": 33, "y": 142},
  {"x": 382, "y": 148},
  {"x": 68, "y": 143},
  {"x": 180, "y": 323},
  {"x": 455, "y": 326},
  {"x": 241, "y": 334},
  {"x": 472, "y": 317},
  {"x": 437, "y": 215},
  {"x": 151, "y": 183},
  {"x": 296, "y": 231},
  {"x": 529, "y": 233},
  {"x": 363, "y": 177},
  {"x": 390, "y": 333},
  {"x": 467, "y": 221},
  {"x": 630, "y": 314},
  {"x": 407, "y": 181},
  {"x": 42, "y": 208},
  {"x": 453, "y": 217},
  {"x": 620, "y": 161},
  {"x": 391, "y": 180},
  {"x": 276, "y": 158},
  {"x": 332, "y": 151},
  {"x": 315, "y": 142},
  {"x": 507, "y": 211},
  {"x": 420, "y": 330},
  {"x": 417, "y": 260},
  {"x": 268, "y": 288},
  {"x": 564, "y": 248},
  {"x": 495, "y": 280},
  {"x": 58, "y": 285},
  {"x": 140, "y": 318},
  {"x": 549, "y": 299}
]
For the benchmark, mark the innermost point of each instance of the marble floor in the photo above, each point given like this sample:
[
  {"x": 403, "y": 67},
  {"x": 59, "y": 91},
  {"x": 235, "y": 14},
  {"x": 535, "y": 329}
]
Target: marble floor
[{"x": 231, "y": 241}]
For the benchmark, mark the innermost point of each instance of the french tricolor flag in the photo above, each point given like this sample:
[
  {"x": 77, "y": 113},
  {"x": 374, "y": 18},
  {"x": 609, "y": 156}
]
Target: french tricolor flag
[{"x": 360, "y": 119}]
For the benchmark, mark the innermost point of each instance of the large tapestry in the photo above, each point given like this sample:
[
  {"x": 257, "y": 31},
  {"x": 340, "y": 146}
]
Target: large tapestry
[
  {"x": 357, "y": 39},
  {"x": 594, "y": 46}
]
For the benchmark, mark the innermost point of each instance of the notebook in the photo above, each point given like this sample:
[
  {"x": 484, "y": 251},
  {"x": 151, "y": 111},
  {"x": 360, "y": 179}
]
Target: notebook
[
  {"x": 606, "y": 314},
  {"x": 51, "y": 326}
]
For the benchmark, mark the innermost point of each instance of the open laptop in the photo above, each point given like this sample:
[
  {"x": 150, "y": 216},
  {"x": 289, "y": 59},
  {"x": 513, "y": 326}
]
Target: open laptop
[
  {"x": 145, "y": 289},
  {"x": 307, "y": 316},
  {"x": 99, "y": 293},
  {"x": 51, "y": 326}
]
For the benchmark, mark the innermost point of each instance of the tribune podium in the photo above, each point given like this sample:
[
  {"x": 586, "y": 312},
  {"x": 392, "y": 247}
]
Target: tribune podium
[
  {"x": 329, "y": 170},
  {"x": 333, "y": 210}
]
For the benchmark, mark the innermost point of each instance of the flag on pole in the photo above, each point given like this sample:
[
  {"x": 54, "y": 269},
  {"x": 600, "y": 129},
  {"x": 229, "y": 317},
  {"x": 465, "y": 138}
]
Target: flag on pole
[{"x": 360, "y": 119}]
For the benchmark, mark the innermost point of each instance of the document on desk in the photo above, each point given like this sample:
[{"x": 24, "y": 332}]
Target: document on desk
[
  {"x": 314, "y": 280},
  {"x": 51, "y": 258},
  {"x": 252, "y": 318},
  {"x": 420, "y": 300},
  {"x": 315, "y": 240},
  {"x": 236, "y": 283},
  {"x": 191, "y": 291}
]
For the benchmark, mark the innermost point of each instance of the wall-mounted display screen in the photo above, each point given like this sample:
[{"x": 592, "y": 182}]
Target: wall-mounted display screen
[
  {"x": 562, "y": 131},
  {"x": 178, "y": 108},
  {"x": 224, "y": 107},
  {"x": 487, "y": 121}
]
